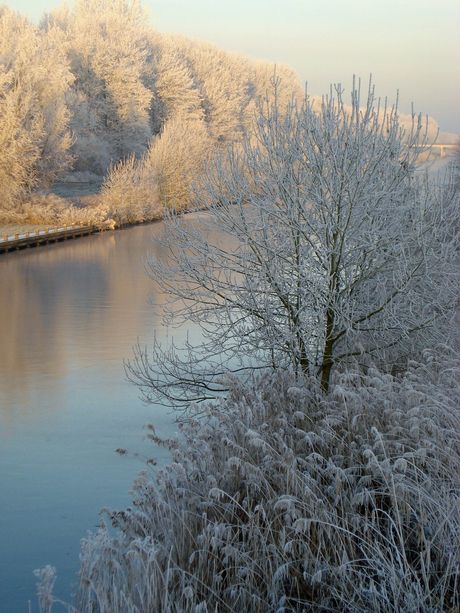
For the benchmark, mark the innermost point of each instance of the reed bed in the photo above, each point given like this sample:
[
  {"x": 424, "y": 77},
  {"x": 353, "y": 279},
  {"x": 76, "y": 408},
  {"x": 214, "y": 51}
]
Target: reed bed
[{"x": 281, "y": 499}]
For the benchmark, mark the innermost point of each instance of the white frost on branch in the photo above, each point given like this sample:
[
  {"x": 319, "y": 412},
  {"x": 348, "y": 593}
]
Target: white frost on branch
[{"x": 331, "y": 248}]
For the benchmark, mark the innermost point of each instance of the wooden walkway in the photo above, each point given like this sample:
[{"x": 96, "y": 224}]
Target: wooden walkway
[{"x": 38, "y": 237}]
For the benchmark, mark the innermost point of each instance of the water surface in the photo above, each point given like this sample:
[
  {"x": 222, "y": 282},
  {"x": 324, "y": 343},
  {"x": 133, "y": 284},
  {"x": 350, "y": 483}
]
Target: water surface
[{"x": 69, "y": 313}]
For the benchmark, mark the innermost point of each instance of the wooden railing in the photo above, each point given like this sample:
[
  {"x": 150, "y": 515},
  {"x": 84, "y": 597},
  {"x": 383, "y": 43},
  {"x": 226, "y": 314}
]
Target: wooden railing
[{"x": 38, "y": 237}]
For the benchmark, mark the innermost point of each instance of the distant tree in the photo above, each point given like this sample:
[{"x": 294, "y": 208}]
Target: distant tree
[
  {"x": 333, "y": 249},
  {"x": 34, "y": 119},
  {"x": 178, "y": 94},
  {"x": 221, "y": 78},
  {"x": 51, "y": 89},
  {"x": 19, "y": 133},
  {"x": 231, "y": 85},
  {"x": 110, "y": 103}
]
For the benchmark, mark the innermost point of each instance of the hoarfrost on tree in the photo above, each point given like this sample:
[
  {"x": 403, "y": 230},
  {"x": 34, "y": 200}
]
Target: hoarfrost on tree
[{"x": 333, "y": 248}]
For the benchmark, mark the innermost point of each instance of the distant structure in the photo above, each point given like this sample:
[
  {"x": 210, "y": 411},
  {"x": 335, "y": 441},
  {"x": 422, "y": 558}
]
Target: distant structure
[{"x": 443, "y": 148}]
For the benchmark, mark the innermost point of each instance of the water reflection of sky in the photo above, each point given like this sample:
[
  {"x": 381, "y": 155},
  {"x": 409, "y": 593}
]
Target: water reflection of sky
[{"x": 69, "y": 313}]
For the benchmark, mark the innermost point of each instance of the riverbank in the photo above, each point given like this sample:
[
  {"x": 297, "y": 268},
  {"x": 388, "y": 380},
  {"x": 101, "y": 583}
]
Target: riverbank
[
  {"x": 66, "y": 202},
  {"x": 69, "y": 201},
  {"x": 72, "y": 202},
  {"x": 10, "y": 230}
]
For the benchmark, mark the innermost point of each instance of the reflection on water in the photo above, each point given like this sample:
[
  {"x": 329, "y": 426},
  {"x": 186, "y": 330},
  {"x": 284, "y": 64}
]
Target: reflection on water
[
  {"x": 69, "y": 313},
  {"x": 69, "y": 306}
]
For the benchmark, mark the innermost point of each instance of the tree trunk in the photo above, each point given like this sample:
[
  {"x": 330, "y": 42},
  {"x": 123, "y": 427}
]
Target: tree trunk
[{"x": 327, "y": 354}]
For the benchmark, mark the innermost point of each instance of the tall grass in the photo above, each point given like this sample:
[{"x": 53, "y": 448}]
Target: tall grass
[
  {"x": 279, "y": 499},
  {"x": 126, "y": 199},
  {"x": 50, "y": 209}
]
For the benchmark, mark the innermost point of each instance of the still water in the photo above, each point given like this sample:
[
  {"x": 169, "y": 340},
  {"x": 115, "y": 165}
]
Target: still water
[{"x": 69, "y": 313}]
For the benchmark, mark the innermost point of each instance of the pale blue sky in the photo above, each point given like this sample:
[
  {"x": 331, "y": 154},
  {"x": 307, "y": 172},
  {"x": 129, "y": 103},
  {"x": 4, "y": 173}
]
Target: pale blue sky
[{"x": 410, "y": 45}]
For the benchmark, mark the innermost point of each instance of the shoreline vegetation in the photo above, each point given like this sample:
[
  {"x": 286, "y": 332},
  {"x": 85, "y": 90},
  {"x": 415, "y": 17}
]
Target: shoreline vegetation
[
  {"x": 120, "y": 200},
  {"x": 279, "y": 498},
  {"x": 69, "y": 202},
  {"x": 51, "y": 211},
  {"x": 94, "y": 94}
]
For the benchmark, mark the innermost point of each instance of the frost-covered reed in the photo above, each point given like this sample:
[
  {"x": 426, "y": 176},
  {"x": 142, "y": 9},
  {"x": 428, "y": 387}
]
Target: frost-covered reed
[
  {"x": 122, "y": 202},
  {"x": 282, "y": 499}
]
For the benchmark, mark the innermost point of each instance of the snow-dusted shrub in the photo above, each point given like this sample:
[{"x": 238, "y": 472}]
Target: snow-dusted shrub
[
  {"x": 138, "y": 189},
  {"x": 130, "y": 192},
  {"x": 279, "y": 498},
  {"x": 175, "y": 157},
  {"x": 39, "y": 209}
]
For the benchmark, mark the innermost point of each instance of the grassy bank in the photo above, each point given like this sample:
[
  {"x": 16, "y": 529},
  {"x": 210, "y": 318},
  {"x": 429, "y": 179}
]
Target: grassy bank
[
  {"x": 71, "y": 202},
  {"x": 281, "y": 499}
]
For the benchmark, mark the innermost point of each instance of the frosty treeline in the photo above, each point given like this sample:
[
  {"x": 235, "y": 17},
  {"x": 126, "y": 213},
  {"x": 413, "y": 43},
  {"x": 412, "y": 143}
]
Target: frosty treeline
[{"x": 95, "y": 88}]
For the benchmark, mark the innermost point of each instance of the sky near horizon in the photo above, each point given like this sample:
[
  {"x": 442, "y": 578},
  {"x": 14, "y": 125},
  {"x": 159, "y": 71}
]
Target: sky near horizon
[{"x": 408, "y": 45}]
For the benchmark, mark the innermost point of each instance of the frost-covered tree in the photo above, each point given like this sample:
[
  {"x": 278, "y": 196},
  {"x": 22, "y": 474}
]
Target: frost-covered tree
[
  {"x": 109, "y": 101},
  {"x": 19, "y": 152},
  {"x": 333, "y": 248},
  {"x": 178, "y": 95},
  {"x": 34, "y": 119},
  {"x": 51, "y": 90},
  {"x": 231, "y": 84}
]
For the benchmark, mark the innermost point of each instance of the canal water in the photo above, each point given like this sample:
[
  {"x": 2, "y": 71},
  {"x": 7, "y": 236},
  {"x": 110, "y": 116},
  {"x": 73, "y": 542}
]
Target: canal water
[{"x": 70, "y": 313}]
